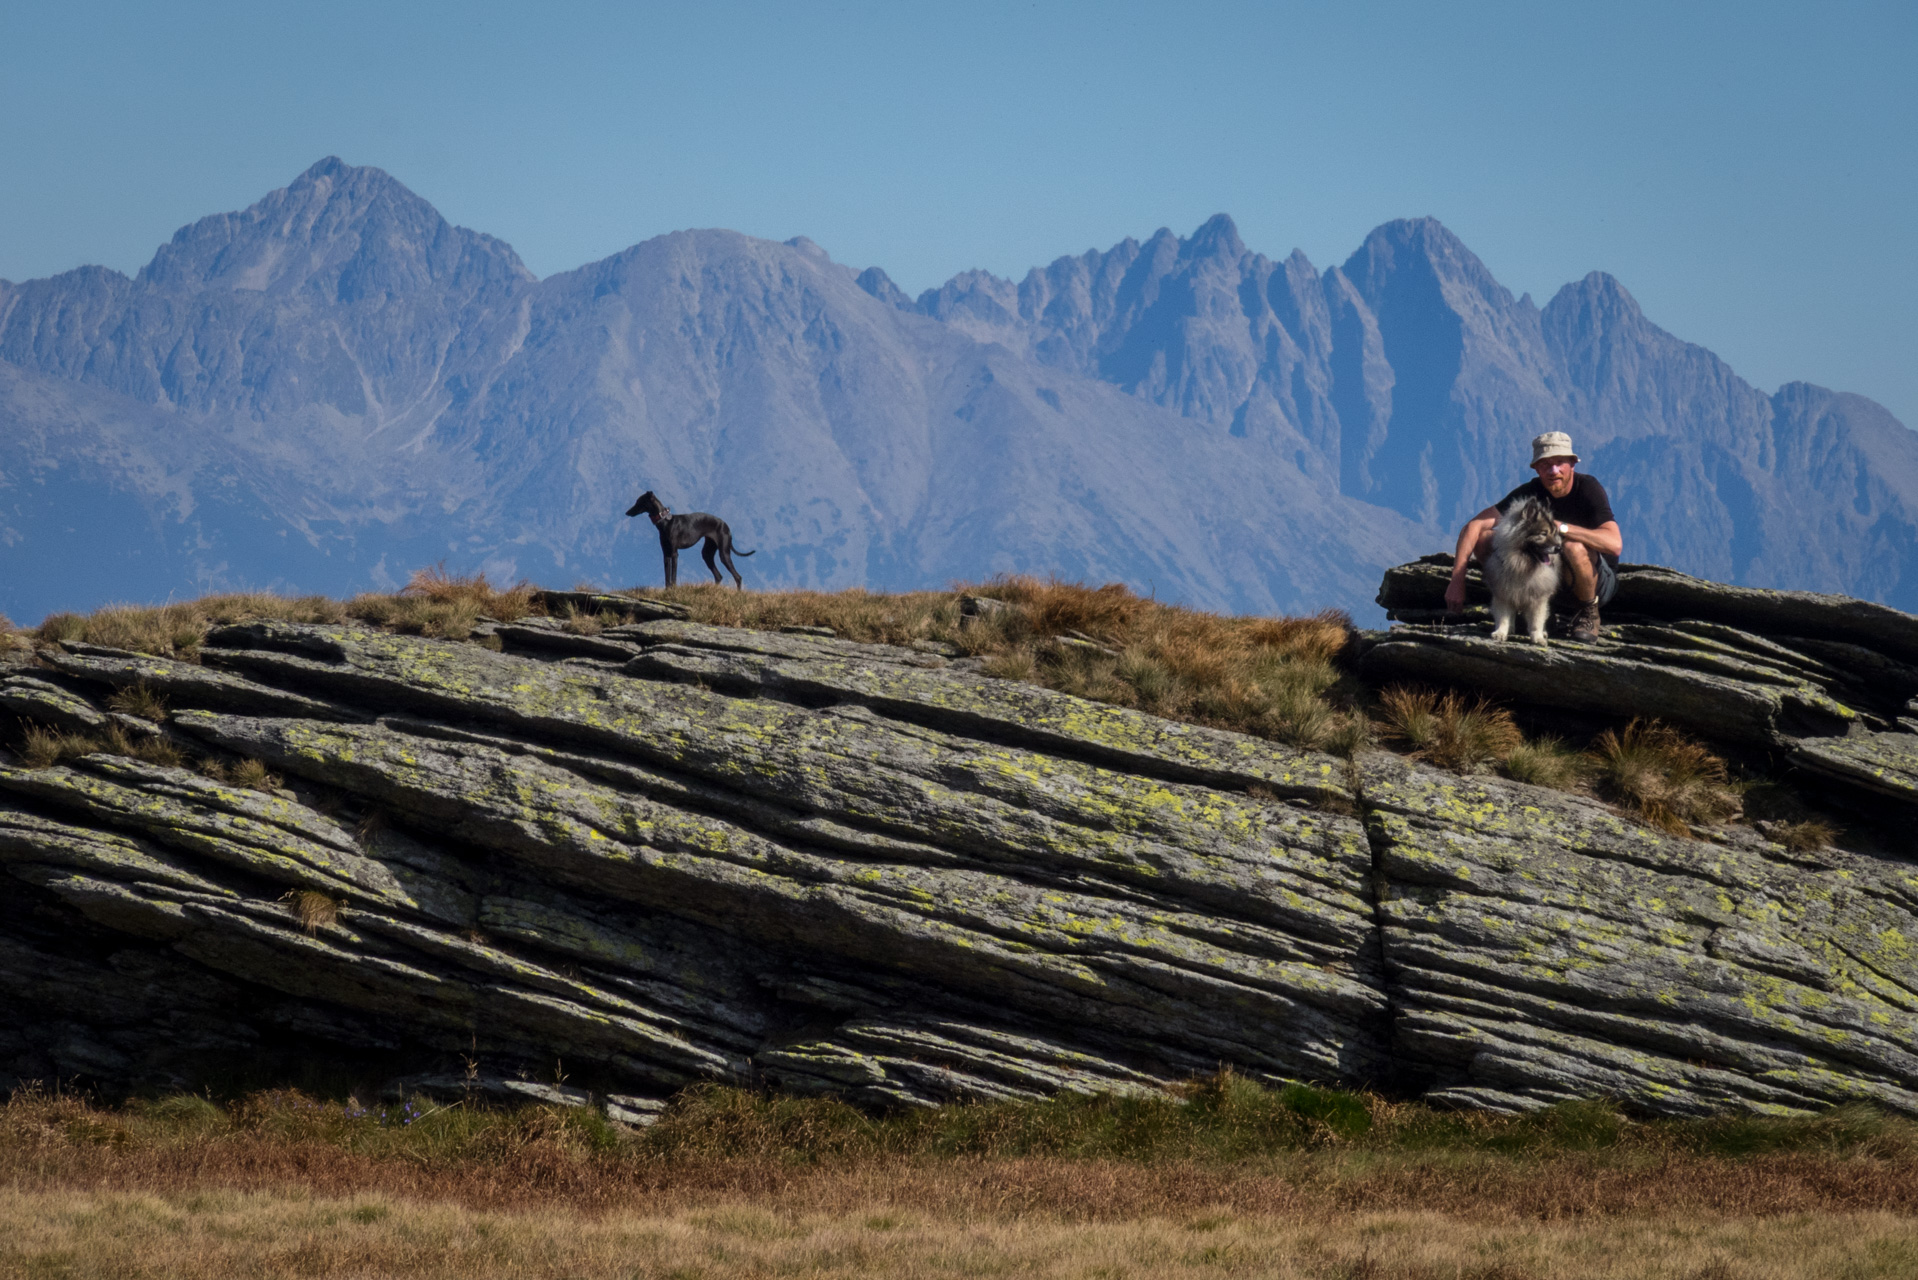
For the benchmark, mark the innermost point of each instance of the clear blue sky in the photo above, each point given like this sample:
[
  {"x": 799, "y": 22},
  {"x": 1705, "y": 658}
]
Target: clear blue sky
[{"x": 1749, "y": 170}]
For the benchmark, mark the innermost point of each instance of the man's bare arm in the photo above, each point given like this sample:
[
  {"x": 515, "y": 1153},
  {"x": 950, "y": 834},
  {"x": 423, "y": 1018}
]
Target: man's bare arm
[
  {"x": 1605, "y": 538},
  {"x": 1468, "y": 540}
]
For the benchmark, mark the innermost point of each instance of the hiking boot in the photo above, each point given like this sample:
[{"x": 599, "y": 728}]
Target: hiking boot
[{"x": 1585, "y": 623}]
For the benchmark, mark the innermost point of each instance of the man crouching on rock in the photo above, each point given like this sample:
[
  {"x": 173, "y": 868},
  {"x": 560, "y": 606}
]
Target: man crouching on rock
[{"x": 1588, "y": 562}]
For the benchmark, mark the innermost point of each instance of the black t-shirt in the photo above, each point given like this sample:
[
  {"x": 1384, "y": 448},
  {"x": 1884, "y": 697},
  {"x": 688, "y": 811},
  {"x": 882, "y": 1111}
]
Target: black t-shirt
[{"x": 1586, "y": 506}]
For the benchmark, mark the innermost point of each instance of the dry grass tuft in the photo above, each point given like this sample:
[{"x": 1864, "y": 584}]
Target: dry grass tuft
[
  {"x": 501, "y": 604},
  {"x": 57, "y": 627},
  {"x": 577, "y": 623},
  {"x": 254, "y": 775},
  {"x": 1805, "y": 837},
  {"x": 1548, "y": 762},
  {"x": 441, "y": 605},
  {"x": 42, "y": 748},
  {"x": 1446, "y": 729},
  {"x": 177, "y": 630},
  {"x": 1273, "y": 677},
  {"x": 139, "y": 700},
  {"x": 151, "y": 748},
  {"x": 1665, "y": 777},
  {"x": 1055, "y": 608},
  {"x": 312, "y": 908},
  {"x": 248, "y": 772}
]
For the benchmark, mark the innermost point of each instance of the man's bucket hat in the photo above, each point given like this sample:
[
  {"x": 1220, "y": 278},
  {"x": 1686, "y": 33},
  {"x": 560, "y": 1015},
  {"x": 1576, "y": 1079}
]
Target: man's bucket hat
[{"x": 1553, "y": 444}]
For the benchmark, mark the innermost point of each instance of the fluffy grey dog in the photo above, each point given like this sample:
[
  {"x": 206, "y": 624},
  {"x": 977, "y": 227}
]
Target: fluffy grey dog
[{"x": 1522, "y": 573}]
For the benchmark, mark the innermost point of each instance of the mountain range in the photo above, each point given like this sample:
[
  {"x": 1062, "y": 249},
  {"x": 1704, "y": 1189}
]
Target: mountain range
[{"x": 336, "y": 386}]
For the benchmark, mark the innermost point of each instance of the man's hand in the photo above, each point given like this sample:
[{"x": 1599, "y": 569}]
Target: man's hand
[{"x": 1477, "y": 529}]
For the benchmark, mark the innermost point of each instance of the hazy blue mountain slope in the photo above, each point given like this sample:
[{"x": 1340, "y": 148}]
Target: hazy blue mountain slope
[
  {"x": 104, "y": 499},
  {"x": 1803, "y": 489},
  {"x": 850, "y": 443},
  {"x": 336, "y": 386},
  {"x": 344, "y": 387},
  {"x": 1409, "y": 378}
]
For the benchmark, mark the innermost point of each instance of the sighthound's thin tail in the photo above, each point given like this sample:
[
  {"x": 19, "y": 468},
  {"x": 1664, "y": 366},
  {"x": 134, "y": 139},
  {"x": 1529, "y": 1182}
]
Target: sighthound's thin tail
[{"x": 738, "y": 552}]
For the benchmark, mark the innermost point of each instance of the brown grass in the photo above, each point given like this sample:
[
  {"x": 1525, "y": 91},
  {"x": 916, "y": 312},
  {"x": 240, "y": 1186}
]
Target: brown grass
[
  {"x": 1548, "y": 762},
  {"x": 1448, "y": 730},
  {"x": 312, "y": 909},
  {"x": 730, "y": 1184},
  {"x": 247, "y": 772},
  {"x": 139, "y": 700},
  {"x": 153, "y": 750},
  {"x": 440, "y": 587},
  {"x": 1665, "y": 777},
  {"x": 1274, "y": 677},
  {"x": 1805, "y": 837},
  {"x": 42, "y": 748},
  {"x": 883, "y": 1233},
  {"x": 433, "y": 603}
]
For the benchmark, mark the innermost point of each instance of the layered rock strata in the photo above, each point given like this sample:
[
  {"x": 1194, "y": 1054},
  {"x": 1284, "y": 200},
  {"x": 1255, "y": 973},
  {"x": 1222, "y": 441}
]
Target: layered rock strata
[
  {"x": 1828, "y": 683},
  {"x": 608, "y": 866},
  {"x": 654, "y": 882}
]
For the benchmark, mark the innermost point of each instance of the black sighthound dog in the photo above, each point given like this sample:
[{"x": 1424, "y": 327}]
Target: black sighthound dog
[{"x": 676, "y": 533}]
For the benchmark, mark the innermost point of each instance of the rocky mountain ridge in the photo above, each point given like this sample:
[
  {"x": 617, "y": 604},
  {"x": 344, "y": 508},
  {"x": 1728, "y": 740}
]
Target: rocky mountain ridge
[
  {"x": 1409, "y": 378},
  {"x": 336, "y": 386},
  {"x": 670, "y": 852}
]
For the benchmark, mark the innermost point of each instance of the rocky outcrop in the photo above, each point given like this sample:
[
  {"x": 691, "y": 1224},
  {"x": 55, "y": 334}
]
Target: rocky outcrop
[
  {"x": 1540, "y": 947},
  {"x": 654, "y": 882},
  {"x": 1767, "y": 669},
  {"x": 1566, "y": 951},
  {"x": 604, "y": 867}
]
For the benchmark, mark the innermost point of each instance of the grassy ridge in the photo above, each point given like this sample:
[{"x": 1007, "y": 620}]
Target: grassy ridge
[
  {"x": 1277, "y": 678},
  {"x": 1221, "y": 1121},
  {"x": 1235, "y": 1179},
  {"x": 1274, "y": 677}
]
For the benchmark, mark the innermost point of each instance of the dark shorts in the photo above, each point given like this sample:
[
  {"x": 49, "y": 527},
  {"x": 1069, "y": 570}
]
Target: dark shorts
[{"x": 1607, "y": 587}]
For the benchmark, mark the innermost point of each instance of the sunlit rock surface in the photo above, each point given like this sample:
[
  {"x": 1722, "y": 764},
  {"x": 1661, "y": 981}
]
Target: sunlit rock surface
[{"x": 611, "y": 866}]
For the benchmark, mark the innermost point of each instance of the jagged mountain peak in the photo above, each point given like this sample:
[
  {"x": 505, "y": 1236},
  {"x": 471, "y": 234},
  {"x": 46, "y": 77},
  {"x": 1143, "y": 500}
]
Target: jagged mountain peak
[
  {"x": 875, "y": 281},
  {"x": 353, "y": 230},
  {"x": 1217, "y": 236},
  {"x": 400, "y": 389},
  {"x": 1599, "y": 297},
  {"x": 1419, "y": 247}
]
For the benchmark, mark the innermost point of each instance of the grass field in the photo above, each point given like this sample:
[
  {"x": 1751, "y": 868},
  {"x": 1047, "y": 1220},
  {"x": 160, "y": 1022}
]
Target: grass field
[
  {"x": 218, "y": 1234},
  {"x": 1233, "y": 1180}
]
